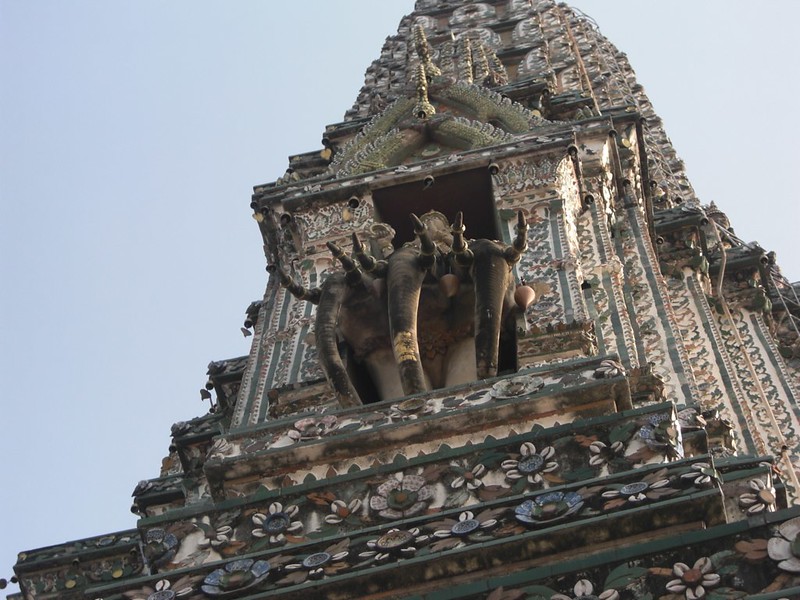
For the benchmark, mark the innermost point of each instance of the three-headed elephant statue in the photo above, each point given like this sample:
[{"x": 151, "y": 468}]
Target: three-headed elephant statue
[{"x": 433, "y": 313}]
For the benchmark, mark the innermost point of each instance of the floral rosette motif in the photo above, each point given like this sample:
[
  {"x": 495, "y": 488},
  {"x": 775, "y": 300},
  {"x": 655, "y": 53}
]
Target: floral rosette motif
[
  {"x": 700, "y": 475},
  {"x": 691, "y": 419},
  {"x": 761, "y": 498},
  {"x": 340, "y": 511},
  {"x": 215, "y": 538},
  {"x": 160, "y": 546},
  {"x": 410, "y": 409},
  {"x": 601, "y": 453},
  {"x": 650, "y": 487},
  {"x": 164, "y": 590},
  {"x": 516, "y": 387},
  {"x": 531, "y": 464},
  {"x": 235, "y": 577},
  {"x": 277, "y": 523},
  {"x": 395, "y": 543},
  {"x": 401, "y": 496},
  {"x": 220, "y": 449},
  {"x": 662, "y": 433},
  {"x": 549, "y": 507},
  {"x": 585, "y": 589},
  {"x": 310, "y": 428},
  {"x": 753, "y": 551},
  {"x": 452, "y": 532},
  {"x": 784, "y": 546},
  {"x": 319, "y": 564},
  {"x": 468, "y": 478},
  {"x": 693, "y": 581},
  {"x": 609, "y": 368}
]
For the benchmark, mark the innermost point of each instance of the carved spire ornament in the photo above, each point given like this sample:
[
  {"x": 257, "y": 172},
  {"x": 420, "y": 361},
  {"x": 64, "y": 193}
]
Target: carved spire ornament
[
  {"x": 423, "y": 108},
  {"x": 481, "y": 63},
  {"x": 465, "y": 56},
  {"x": 424, "y": 51}
]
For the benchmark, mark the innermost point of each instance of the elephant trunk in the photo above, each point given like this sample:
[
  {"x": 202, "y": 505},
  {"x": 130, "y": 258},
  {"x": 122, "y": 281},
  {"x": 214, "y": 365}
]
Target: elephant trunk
[
  {"x": 491, "y": 277},
  {"x": 297, "y": 290},
  {"x": 330, "y": 303},
  {"x": 404, "y": 282}
]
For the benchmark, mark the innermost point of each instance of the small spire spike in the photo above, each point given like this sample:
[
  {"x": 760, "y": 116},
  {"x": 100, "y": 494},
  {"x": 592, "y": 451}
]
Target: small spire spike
[
  {"x": 498, "y": 73},
  {"x": 482, "y": 70},
  {"x": 466, "y": 60},
  {"x": 427, "y": 254},
  {"x": 297, "y": 290},
  {"x": 424, "y": 108},
  {"x": 424, "y": 51},
  {"x": 463, "y": 255},
  {"x": 520, "y": 243}
]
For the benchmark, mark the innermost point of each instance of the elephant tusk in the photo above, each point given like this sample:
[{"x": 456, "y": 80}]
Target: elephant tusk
[
  {"x": 367, "y": 261},
  {"x": 353, "y": 275},
  {"x": 297, "y": 290},
  {"x": 520, "y": 244},
  {"x": 427, "y": 255},
  {"x": 461, "y": 251}
]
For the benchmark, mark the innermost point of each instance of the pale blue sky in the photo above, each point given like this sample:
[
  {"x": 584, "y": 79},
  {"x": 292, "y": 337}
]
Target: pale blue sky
[{"x": 131, "y": 135}]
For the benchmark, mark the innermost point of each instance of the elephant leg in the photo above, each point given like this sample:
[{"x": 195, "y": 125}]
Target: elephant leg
[
  {"x": 460, "y": 362},
  {"x": 433, "y": 369},
  {"x": 382, "y": 369}
]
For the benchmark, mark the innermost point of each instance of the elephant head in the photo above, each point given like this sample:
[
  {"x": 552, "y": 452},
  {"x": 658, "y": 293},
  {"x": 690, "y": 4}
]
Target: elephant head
[
  {"x": 488, "y": 264},
  {"x": 429, "y": 314}
]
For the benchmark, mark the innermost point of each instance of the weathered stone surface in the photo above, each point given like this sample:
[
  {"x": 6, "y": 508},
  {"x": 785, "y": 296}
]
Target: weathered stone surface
[{"x": 641, "y": 437}]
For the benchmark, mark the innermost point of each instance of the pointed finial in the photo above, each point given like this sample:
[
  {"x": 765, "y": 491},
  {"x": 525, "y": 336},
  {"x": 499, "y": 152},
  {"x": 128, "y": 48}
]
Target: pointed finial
[
  {"x": 423, "y": 108},
  {"x": 498, "y": 72},
  {"x": 481, "y": 64},
  {"x": 466, "y": 60},
  {"x": 424, "y": 51}
]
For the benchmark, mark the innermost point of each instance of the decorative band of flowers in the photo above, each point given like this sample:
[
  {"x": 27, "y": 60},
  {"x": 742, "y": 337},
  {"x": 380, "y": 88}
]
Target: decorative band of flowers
[{"x": 431, "y": 534}]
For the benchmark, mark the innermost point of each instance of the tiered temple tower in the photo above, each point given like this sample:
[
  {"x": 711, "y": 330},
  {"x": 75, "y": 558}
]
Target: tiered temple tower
[{"x": 503, "y": 353}]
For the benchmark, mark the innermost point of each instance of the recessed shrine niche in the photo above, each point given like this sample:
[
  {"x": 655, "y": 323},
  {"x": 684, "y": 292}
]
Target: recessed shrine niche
[
  {"x": 445, "y": 297},
  {"x": 467, "y": 191}
]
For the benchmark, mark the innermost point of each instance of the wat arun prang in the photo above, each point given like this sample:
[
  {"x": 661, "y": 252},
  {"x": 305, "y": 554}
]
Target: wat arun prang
[{"x": 504, "y": 352}]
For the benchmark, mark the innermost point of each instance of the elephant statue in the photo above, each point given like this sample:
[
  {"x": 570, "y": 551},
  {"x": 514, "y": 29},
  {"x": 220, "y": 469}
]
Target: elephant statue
[{"x": 427, "y": 315}]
